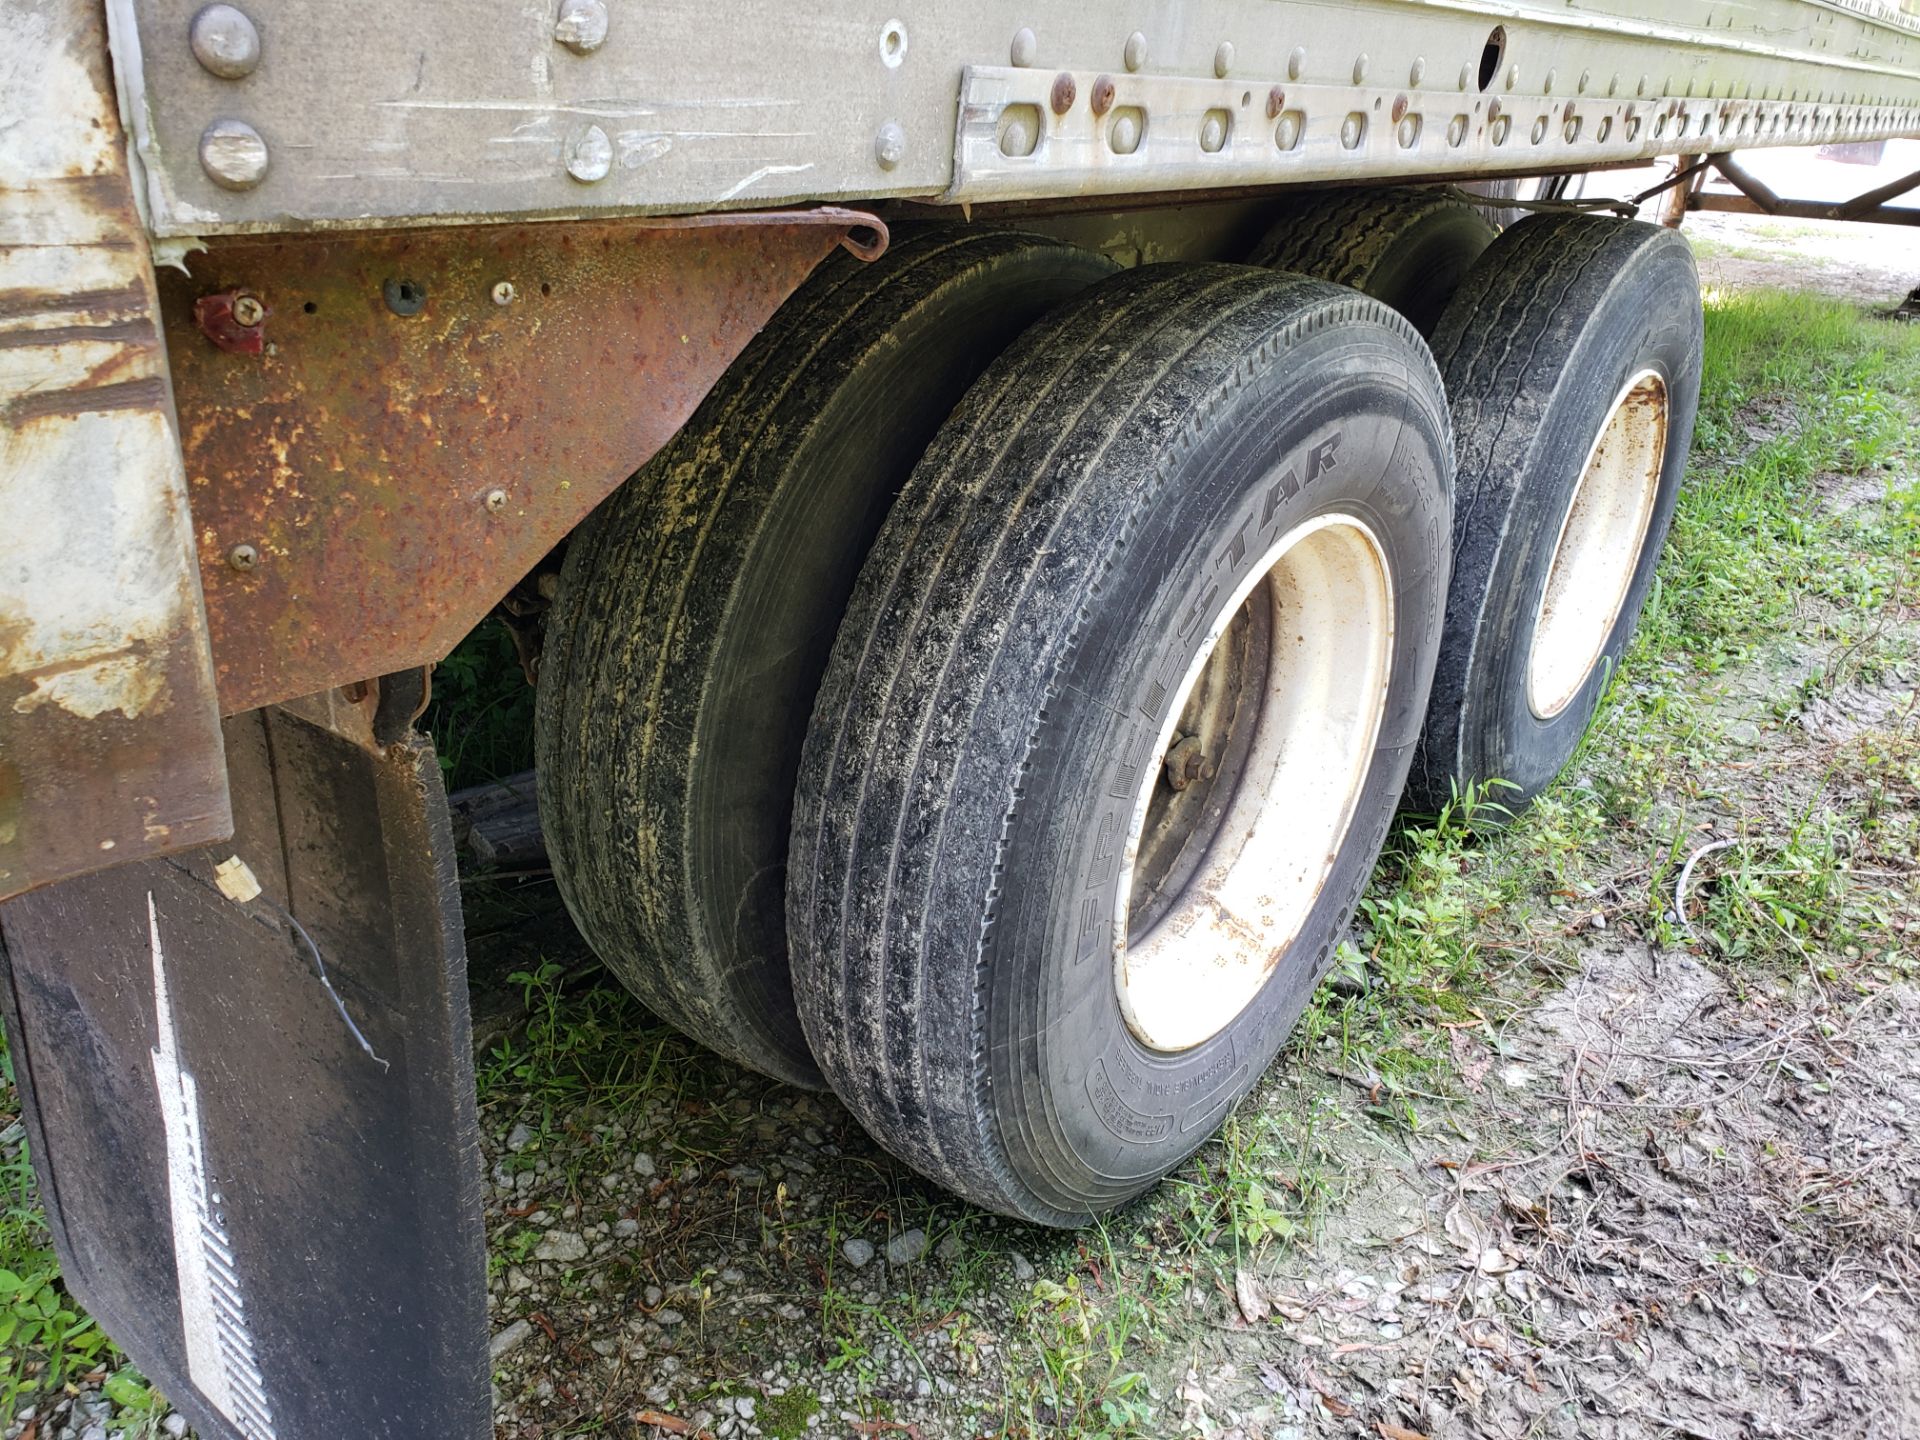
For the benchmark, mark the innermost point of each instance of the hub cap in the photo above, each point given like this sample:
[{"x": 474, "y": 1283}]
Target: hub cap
[
  {"x": 1262, "y": 759},
  {"x": 1598, "y": 550}
]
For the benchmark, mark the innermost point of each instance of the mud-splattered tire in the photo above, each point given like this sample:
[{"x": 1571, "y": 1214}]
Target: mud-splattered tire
[
  {"x": 1572, "y": 362},
  {"x": 1181, "y": 453},
  {"x": 697, "y": 605},
  {"x": 1406, "y": 248}
]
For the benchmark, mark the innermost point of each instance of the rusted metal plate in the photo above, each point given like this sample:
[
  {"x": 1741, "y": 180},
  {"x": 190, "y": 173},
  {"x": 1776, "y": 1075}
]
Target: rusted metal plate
[
  {"x": 431, "y": 411},
  {"x": 109, "y": 736}
]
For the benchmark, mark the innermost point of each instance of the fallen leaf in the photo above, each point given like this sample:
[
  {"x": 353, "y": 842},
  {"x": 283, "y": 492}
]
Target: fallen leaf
[
  {"x": 1464, "y": 1230},
  {"x": 1275, "y": 1382},
  {"x": 1252, "y": 1299},
  {"x": 1335, "y": 1405},
  {"x": 672, "y": 1424},
  {"x": 1495, "y": 1261},
  {"x": 1400, "y": 1432},
  {"x": 885, "y": 1427}
]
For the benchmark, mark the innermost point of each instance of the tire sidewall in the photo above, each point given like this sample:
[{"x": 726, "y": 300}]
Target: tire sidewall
[{"x": 1078, "y": 1100}]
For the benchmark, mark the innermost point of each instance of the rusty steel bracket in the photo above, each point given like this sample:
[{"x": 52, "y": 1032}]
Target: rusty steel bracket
[
  {"x": 109, "y": 736},
  {"x": 432, "y": 411},
  {"x": 1758, "y": 198}
]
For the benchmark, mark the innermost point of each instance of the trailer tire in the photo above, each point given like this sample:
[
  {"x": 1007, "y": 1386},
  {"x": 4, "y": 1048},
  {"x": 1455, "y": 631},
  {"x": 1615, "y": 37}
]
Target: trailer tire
[
  {"x": 697, "y": 604},
  {"x": 1406, "y": 248},
  {"x": 1572, "y": 361},
  {"x": 975, "y": 809}
]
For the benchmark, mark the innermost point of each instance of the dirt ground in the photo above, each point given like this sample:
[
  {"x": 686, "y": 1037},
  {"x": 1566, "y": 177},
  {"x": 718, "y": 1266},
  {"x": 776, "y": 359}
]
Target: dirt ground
[{"x": 1871, "y": 265}]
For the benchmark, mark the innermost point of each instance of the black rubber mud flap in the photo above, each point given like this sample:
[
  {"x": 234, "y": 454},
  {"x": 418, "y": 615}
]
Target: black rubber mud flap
[{"x": 253, "y": 1120}]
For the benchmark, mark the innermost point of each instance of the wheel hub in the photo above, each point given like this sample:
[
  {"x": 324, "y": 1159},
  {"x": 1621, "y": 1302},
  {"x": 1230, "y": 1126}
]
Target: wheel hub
[
  {"x": 1264, "y": 757},
  {"x": 1598, "y": 550}
]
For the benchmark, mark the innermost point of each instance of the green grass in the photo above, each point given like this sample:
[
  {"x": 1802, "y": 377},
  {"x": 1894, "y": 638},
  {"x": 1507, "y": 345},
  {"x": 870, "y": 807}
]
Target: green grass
[
  {"x": 46, "y": 1341},
  {"x": 481, "y": 714}
]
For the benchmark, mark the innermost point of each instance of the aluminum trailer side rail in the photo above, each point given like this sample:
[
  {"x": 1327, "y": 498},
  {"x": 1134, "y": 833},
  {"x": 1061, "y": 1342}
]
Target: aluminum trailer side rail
[{"x": 489, "y": 109}]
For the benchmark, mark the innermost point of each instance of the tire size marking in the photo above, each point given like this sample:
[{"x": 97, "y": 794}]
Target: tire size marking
[{"x": 1120, "y": 1117}]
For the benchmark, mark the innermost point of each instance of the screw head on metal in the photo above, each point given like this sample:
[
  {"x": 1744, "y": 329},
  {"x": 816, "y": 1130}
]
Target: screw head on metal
[
  {"x": 1353, "y": 130},
  {"x": 247, "y": 310},
  {"x": 1213, "y": 132},
  {"x": 1223, "y": 60},
  {"x": 233, "y": 154},
  {"x": 504, "y": 293},
  {"x": 1135, "y": 54},
  {"x": 1063, "y": 93},
  {"x": 589, "y": 154},
  {"x": 496, "y": 501},
  {"x": 1102, "y": 98},
  {"x": 1359, "y": 69},
  {"x": 243, "y": 557},
  {"x": 1025, "y": 47},
  {"x": 1124, "y": 134},
  {"x": 1276, "y": 102},
  {"x": 1417, "y": 72},
  {"x": 1409, "y": 132},
  {"x": 1286, "y": 134},
  {"x": 581, "y": 25},
  {"x": 890, "y": 145},
  {"x": 224, "y": 42},
  {"x": 1296, "y": 62}
]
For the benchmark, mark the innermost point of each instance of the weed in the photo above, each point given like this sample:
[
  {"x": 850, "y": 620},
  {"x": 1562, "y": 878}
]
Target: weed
[
  {"x": 481, "y": 716},
  {"x": 786, "y": 1416},
  {"x": 45, "y": 1339}
]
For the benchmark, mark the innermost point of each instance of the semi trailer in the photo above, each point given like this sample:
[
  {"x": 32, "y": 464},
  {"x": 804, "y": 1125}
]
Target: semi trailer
[{"x": 1000, "y": 504}]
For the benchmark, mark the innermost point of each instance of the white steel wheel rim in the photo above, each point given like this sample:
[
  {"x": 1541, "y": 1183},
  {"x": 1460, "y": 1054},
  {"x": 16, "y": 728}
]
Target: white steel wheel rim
[
  {"x": 1317, "y": 718},
  {"x": 1597, "y": 552}
]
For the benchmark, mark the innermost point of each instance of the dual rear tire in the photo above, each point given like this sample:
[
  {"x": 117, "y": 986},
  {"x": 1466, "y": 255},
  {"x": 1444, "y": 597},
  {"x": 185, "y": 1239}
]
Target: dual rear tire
[
  {"x": 1020, "y": 794},
  {"x": 1188, "y": 464}
]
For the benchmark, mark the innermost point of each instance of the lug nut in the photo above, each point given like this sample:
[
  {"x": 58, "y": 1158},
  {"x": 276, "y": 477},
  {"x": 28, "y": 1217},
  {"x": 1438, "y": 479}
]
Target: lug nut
[{"x": 1185, "y": 763}]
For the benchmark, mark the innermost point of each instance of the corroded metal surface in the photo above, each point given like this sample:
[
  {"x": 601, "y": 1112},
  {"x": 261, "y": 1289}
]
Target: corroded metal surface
[
  {"x": 432, "y": 411},
  {"x": 109, "y": 739}
]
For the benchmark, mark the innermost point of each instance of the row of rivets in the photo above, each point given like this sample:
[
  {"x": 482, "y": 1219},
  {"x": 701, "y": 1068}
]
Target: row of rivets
[{"x": 227, "y": 46}]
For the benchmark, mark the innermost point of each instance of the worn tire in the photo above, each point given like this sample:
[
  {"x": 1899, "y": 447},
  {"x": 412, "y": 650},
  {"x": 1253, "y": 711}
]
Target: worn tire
[
  {"x": 1551, "y": 324},
  {"x": 1406, "y": 248},
  {"x": 697, "y": 605},
  {"x": 974, "y": 738}
]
